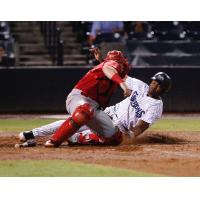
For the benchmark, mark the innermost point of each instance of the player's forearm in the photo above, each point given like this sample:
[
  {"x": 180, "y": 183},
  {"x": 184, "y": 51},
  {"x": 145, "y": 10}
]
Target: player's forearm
[
  {"x": 100, "y": 58},
  {"x": 112, "y": 74},
  {"x": 134, "y": 132},
  {"x": 138, "y": 129},
  {"x": 97, "y": 54}
]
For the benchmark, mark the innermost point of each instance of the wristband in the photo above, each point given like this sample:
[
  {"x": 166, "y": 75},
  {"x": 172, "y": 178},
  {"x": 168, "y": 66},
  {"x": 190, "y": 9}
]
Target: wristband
[{"x": 117, "y": 79}]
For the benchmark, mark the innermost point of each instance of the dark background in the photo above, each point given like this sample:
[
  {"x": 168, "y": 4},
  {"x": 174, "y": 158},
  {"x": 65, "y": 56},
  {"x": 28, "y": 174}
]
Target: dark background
[{"x": 32, "y": 90}]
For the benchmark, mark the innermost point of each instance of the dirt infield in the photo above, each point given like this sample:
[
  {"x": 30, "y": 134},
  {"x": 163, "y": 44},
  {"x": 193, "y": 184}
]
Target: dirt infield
[{"x": 171, "y": 154}]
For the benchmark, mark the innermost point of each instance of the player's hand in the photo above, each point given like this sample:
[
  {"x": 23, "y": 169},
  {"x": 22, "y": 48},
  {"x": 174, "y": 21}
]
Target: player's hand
[
  {"x": 131, "y": 134},
  {"x": 97, "y": 53},
  {"x": 127, "y": 91}
]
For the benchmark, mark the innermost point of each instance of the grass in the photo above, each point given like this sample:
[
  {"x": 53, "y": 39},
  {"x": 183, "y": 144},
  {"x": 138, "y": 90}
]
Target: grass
[
  {"x": 165, "y": 124},
  {"x": 177, "y": 124},
  {"x": 59, "y": 168},
  {"x": 16, "y": 125}
]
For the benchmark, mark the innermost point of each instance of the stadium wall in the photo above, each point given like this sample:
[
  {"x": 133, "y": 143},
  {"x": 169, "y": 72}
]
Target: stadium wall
[{"x": 31, "y": 90}]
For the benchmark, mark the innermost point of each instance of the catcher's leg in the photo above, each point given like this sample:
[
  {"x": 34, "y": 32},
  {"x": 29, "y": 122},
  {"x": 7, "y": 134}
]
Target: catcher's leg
[
  {"x": 45, "y": 130},
  {"x": 107, "y": 132},
  {"x": 85, "y": 138},
  {"x": 89, "y": 138},
  {"x": 80, "y": 117}
]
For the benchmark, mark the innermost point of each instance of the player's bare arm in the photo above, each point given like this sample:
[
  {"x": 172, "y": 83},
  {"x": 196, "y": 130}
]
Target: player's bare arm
[
  {"x": 140, "y": 127},
  {"x": 112, "y": 74},
  {"x": 97, "y": 54}
]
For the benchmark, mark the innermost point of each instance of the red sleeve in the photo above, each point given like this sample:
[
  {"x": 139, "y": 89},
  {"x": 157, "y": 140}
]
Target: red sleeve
[{"x": 115, "y": 65}]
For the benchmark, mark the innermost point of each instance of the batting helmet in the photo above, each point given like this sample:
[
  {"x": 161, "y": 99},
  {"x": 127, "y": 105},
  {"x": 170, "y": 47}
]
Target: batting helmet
[{"x": 164, "y": 81}]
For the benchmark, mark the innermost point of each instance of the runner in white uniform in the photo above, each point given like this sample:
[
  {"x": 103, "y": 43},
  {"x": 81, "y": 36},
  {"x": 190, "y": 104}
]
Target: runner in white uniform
[
  {"x": 139, "y": 106},
  {"x": 132, "y": 116}
]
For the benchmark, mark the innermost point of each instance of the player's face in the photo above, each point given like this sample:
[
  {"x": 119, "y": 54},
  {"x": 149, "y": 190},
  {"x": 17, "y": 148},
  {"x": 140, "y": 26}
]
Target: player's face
[{"x": 154, "y": 89}]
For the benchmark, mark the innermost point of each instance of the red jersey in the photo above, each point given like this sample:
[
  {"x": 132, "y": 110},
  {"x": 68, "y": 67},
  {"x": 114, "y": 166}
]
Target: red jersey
[{"x": 97, "y": 86}]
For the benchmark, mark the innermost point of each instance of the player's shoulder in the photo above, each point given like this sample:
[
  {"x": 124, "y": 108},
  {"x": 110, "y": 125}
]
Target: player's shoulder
[
  {"x": 133, "y": 82},
  {"x": 109, "y": 63}
]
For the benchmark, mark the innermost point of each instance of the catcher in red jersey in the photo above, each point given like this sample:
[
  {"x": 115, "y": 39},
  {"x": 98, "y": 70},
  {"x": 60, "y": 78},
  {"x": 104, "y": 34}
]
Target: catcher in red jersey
[{"x": 90, "y": 94}]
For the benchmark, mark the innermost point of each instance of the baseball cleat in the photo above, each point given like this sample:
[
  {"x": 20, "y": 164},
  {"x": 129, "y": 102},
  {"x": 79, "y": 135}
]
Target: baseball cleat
[
  {"x": 30, "y": 143},
  {"x": 26, "y": 135}
]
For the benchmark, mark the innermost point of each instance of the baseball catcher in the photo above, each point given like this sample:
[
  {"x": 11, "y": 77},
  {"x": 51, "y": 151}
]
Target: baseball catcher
[{"x": 90, "y": 94}]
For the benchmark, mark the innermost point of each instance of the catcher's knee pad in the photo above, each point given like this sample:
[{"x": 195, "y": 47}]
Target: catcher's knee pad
[
  {"x": 80, "y": 117},
  {"x": 83, "y": 114},
  {"x": 115, "y": 140}
]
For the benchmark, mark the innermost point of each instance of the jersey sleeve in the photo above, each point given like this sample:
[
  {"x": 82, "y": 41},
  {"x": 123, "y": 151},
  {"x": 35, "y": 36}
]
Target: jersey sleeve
[
  {"x": 153, "y": 114},
  {"x": 115, "y": 65},
  {"x": 135, "y": 84},
  {"x": 110, "y": 110}
]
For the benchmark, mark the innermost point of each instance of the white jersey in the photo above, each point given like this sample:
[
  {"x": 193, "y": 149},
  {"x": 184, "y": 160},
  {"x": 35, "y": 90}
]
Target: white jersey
[{"x": 136, "y": 107}]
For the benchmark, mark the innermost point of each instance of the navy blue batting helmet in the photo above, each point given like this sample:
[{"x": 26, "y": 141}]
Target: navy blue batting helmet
[{"x": 164, "y": 81}]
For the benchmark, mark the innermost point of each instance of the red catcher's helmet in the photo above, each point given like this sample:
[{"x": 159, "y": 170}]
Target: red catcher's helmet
[{"x": 118, "y": 57}]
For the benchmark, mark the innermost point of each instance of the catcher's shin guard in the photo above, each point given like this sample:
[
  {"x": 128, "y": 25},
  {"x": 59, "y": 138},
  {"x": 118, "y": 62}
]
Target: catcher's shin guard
[
  {"x": 80, "y": 117},
  {"x": 115, "y": 140}
]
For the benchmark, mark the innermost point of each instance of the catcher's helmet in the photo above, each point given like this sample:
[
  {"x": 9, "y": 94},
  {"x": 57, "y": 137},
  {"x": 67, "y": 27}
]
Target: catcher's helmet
[
  {"x": 164, "y": 81},
  {"x": 119, "y": 57}
]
